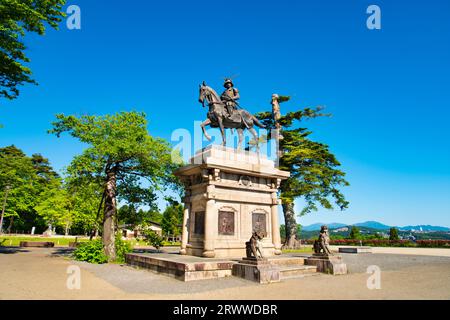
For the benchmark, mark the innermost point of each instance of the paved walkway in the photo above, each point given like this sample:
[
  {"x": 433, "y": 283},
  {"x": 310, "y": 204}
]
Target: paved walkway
[
  {"x": 410, "y": 251},
  {"x": 34, "y": 273}
]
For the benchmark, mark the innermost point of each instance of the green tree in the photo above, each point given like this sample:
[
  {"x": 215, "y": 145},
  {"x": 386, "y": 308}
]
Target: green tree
[
  {"x": 123, "y": 155},
  {"x": 153, "y": 216},
  {"x": 282, "y": 231},
  {"x": 172, "y": 219},
  {"x": 393, "y": 234},
  {"x": 86, "y": 197},
  {"x": 16, "y": 18},
  {"x": 22, "y": 180},
  {"x": 315, "y": 174},
  {"x": 354, "y": 233},
  {"x": 17, "y": 183},
  {"x": 57, "y": 207}
]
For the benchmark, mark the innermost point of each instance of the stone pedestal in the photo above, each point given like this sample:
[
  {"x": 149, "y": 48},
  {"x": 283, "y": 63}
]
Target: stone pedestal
[
  {"x": 261, "y": 271},
  {"x": 228, "y": 195},
  {"x": 355, "y": 250},
  {"x": 330, "y": 264}
]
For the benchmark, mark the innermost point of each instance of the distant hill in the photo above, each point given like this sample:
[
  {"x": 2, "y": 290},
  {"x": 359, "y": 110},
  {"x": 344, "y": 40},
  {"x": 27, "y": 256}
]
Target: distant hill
[
  {"x": 376, "y": 226},
  {"x": 316, "y": 226},
  {"x": 424, "y": 228},
  {"x": 373, "y": 225}
]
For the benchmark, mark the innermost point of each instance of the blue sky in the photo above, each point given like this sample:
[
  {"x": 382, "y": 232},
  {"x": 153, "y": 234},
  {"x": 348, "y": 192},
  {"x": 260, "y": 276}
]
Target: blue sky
[{"x": 388, "y": 89}]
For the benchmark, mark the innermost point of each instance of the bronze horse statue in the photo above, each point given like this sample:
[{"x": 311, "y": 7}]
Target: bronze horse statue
[{"x": 218, "y": 117}]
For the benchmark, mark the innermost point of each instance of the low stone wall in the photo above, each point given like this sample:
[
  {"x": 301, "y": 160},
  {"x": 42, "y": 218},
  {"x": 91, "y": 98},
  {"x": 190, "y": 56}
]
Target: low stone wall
[
  {"x": 37, "y": 244},
  {"x": 179, "y": 269}
]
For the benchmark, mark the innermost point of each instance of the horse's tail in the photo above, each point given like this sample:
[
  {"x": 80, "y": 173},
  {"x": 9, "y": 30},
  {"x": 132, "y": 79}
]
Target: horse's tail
[{"x": 257, "y": 122}]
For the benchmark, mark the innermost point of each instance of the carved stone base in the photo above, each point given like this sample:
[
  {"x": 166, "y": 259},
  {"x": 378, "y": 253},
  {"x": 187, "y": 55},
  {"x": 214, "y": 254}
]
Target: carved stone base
[
  {"x": 330, "y": 264},
  {"x": 261, "y": 270}
]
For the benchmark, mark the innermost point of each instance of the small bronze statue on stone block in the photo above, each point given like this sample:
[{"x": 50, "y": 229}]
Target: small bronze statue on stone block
[
  {"x": 322, "y": 245},
  {"x": 253, "y": 246},
  {"x": 323, "y": 259}
]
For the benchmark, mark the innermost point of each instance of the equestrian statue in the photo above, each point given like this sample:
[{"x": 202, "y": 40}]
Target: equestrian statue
[{"x": 223, "y": 113}]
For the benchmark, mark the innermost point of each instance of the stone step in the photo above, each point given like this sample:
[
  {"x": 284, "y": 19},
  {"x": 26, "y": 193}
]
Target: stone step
[
  {"x": 287, "y": 261},
  {"x": 288, "y": 272}
]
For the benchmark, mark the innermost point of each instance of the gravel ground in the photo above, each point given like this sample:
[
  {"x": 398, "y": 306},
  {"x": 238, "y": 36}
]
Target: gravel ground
[
  {"x": 134, "y": 280},
  {"x": 143, "y": 281},
  {"x": 358, "y": 263},
  {"x": 32, "y": 273}
]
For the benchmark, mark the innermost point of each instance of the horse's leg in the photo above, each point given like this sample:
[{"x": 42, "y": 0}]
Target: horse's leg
[
  {"x": 205, "y": 123},
  {"x": 255, "y": 136},
  {"x": 222, "y": 130},
  {"x": 240, "y": 132}
]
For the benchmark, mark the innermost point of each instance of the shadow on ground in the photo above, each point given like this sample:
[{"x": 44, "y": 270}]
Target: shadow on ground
[
  {"x": 12, "y": 250},
  {"x": 62, "y": 252}
]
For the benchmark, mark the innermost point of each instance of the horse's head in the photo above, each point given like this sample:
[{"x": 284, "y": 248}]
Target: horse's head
[{"x": 203, "y": 94}]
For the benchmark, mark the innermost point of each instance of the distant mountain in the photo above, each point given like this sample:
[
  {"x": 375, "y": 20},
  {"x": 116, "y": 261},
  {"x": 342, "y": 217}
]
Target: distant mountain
[
  {"x": 425, "y": 228},
  {"x": 376, "y": 225},
  {"x": 373, "y": 224},
  {"x": 316, "y": 226}
]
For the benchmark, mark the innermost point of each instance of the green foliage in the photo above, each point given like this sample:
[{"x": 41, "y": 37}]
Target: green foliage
[
  {"x": 172, "y": 219},
  {"x": 298, "y": 233},
  {"x": 152, "y": 238},
  {"x": 122, "y": 248},
  {"x": 91, "y": 251},
  {"x": 393, "y": 234},
  {"x": 282, "y": 99},
  {"x": 26, "y": 178},
  {"x": 127, "y": 214},
  {"x": 120, "y": 143},
  {"x": 13, "y": 240},
  {"x": 56, "y": 207},
  {"x": 315, "y": 176},
  {"x": 86, "y": 198},
  {"x": 354, "y": 233},
  {"x": 131, "y": 164},
  {"x": 283, "y": 230},
  {"x": 16, "y": 18}
]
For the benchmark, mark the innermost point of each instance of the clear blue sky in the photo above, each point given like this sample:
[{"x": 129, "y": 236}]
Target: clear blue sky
[{"x": 388, "y": 89}]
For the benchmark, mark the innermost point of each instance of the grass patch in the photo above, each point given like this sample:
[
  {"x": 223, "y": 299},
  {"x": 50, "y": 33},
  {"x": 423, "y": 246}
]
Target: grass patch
[
  {"x": 301, "y": 250},
  {"x": 63, "y": 241},
  {"x": 15, "y": 240}
]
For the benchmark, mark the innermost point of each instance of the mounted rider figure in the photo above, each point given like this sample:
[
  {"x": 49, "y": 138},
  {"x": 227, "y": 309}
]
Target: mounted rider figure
[{"x": 229, "y": 97}]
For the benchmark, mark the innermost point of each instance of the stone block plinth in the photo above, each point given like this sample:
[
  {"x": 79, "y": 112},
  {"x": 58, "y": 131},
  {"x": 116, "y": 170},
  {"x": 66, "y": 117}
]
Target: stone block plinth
[
  {"x": 181, "y": 267},
  {"x": 229, "y": 194},
  {"x": 330, "y": 264},
  {"x": 261, "y": 270},
  {"x": 355, "y": 250},
  {"x": 37, "y": 244}
]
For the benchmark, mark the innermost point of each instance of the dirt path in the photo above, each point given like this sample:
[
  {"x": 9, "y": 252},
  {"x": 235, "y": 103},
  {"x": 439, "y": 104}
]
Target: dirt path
[
  {"x": 437, "y": 252},
  {"x": 40, "y": 274}
]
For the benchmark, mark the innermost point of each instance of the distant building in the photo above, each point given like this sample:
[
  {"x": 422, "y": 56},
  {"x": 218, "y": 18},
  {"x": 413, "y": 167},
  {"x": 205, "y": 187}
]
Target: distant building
[
  {"x": 343, "y": 229},
  {"x": 131, "y": 231}
]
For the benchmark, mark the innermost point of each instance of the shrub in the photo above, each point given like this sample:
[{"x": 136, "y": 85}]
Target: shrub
[
  {"x": 92, "y": 251},
  {"x": 153, "y": 239},
  {"x": 393, "y": 234},
  {"x": 122, "y": 248}
]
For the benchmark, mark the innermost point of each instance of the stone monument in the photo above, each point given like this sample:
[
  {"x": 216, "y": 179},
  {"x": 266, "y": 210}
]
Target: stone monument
[
  {"x": 323, "y": 258},
  {"x": 229, "y": 195},
  {"x": 255, "y": 267}
]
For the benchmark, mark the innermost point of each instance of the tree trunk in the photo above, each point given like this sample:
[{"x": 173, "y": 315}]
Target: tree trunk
[
  {"x": 3, "y": 209},
  {"x": 11, "y": 223},
  {"x": 109, "y": 215},
  {"x": 94, "y": 232},
  {"x": 290, "y": 224}
]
